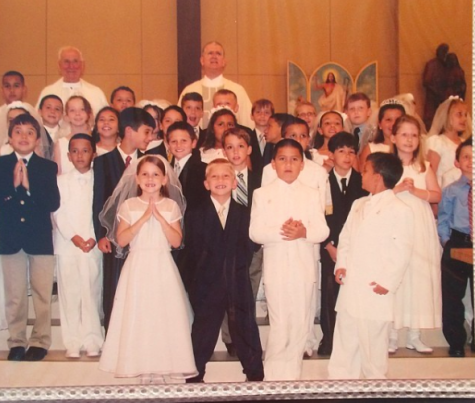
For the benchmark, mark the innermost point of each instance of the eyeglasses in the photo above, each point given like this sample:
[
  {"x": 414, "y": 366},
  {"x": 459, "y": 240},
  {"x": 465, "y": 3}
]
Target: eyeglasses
[{"x": 306, "y": 114}]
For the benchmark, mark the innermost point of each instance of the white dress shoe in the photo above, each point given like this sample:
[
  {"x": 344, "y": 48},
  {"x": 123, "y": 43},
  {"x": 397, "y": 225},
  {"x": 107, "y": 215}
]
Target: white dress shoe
[
  {"x": 419, "y": 346},
  {"x": 392, "y": 346},
  {"x": 73, "y": 354}
]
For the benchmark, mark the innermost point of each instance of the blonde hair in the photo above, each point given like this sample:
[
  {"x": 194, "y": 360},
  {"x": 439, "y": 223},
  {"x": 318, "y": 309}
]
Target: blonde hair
[
  {"x": 454, "y": 102},
  {"x": 418, "y": 155},
  {"x": 302, "y": 102},
  {"x": 219, "y": 161}
]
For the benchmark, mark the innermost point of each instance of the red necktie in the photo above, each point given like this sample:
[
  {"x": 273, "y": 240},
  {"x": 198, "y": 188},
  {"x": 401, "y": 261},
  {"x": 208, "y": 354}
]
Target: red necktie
[{"x": 127, "y": 161}]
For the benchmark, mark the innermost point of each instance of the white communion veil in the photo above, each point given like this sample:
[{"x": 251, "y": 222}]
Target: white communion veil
[
  {"x": 126, "y": 189},
  {"x": 440, "y": 118}
]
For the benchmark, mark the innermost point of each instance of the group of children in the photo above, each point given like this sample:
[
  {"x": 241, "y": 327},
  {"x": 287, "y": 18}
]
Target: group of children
[{"x": 176, "y": 227}]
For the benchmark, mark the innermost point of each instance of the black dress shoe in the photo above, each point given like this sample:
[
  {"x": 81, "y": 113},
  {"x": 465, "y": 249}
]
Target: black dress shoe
[
  {"x": 231, "y": 349},
  {"x": 35, "y": 354},
  {"x": 195, "y": 379},
  {"x": 16, "y": 354},
  {"x": 457, "y": 353},
  {"x": 324, "y": 350}
]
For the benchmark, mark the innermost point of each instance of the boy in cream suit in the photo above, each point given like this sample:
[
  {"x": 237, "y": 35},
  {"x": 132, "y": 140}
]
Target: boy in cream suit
[
  {"x": 79, "y": 259},
  {"x": 374, "y": 249},
  {"x": 286, "y": 220}
]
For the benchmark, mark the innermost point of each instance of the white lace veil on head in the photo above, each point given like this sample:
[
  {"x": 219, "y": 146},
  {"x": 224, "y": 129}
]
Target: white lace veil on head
[
  {"x": 440, "y": 118},
  {"x": 44, "y": 148},
  {"x": 126, "y": 189}
]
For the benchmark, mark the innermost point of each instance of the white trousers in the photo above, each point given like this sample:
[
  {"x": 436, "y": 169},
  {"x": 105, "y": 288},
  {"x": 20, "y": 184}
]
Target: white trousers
[
  {"x": 79, "y": 292},
  {"x": 289, "y": 309},
  {"x": 359, "y": 346}
]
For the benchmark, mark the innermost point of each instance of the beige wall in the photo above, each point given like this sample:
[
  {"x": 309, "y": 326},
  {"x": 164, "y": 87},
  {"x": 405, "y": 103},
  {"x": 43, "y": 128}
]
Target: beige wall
[
  {"x": 127, "y": 42},
  {"x": 133, "y": 42}
]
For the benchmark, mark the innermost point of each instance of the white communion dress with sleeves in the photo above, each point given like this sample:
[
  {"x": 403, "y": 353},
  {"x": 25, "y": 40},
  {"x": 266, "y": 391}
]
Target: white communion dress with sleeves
[{"x": 150, "y": 327}]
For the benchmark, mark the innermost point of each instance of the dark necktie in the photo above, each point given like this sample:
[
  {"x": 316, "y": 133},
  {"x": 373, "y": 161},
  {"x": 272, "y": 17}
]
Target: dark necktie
[
  {"x": 343, "y": 186},
  {"x": 25, "y": 161},
  {"x": 127, "y": 161},
  {"x": 356, "y": 133}
]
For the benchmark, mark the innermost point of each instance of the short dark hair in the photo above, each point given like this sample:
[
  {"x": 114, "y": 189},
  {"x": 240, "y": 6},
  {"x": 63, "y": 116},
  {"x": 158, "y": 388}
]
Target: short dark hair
[
  {"x": 239, "y": 133},
  {"x": 24, "y": 119},
  {"x": 388, "y": 166},
  {"x": 287, "y": 143},
  {"x": 183, "y": 125},
  {"x": 466, "y": 143},
  {"x": 50, "y": 96},
  {"x": 134, "y": 117},
  {"x": 358, "y": 96},
  {"x": 174, "y": 108},
  {"x": 82, "y": 136},
  {"x": 342, "y": 139},
  {"x": 14, "y": 73},
  {"x": 293, "y": 120},
  {"x": 192, "y": 96},
  {"x": 122, "y": 88},
  {"x": 281, "y": 118}
]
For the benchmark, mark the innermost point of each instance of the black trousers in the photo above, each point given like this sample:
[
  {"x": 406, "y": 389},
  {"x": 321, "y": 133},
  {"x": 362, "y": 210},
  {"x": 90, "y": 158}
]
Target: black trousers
[
  {"x": 329, "y": 289},
  {"x": 112, "y": 266},
  {"x": 209, "y": 314},
  {"x": 455, "y": 275}
]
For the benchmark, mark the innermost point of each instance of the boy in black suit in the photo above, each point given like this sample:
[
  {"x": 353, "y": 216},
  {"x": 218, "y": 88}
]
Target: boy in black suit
[
  {"x": 28, "y": 195},
  {"x": 345, "y": 187},
  {"x": 219, "y": 253},
  {"x": 136, "y": 131},
  {"x": 187, "y": 163},
  {"x": 237, "y": 147},
  {"x": 192, "y": 104}
]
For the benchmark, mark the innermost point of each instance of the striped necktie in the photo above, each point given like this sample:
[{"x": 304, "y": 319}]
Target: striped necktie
[
  {"x": 127, "y": 161},
  {"x": 241, "y": 191}
]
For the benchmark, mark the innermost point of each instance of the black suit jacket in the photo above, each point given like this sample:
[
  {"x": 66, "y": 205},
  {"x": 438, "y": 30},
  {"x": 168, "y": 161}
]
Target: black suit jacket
[
  {"x": 108, "y": 169},
  {"x": 256, "y": 157},
  {"x": 192, "y": 177},
  {"x": 217, "y": 259},
  {"x": 342, "y": 203},
  {"x": 159, "y": 150},
  {"x": 201, "y": 139},
  {"x": 25, "y": 220}
]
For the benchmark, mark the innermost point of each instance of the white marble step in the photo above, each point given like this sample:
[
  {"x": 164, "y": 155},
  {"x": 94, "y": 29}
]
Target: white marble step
[{"x": 86, "y": 372}]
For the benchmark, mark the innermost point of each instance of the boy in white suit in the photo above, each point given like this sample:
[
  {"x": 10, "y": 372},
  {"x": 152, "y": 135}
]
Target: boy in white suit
[
  {"x": 79, "y": 259},
  {"x": 374, "y": 249},
  {"x": 287, "y": 220}
]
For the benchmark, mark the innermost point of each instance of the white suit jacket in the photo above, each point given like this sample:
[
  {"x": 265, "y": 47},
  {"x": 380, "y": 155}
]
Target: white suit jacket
[
  {"x": 74, "y": 216},
  {"x": 93, "y": 94},
  {"x": 312, "y": 175},
  {"x": 272, "y": 205},
  {"x": 374, "y": 245}
]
